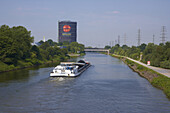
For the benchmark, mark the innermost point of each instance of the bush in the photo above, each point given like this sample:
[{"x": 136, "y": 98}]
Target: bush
[
  {"x": 165, "y": 64},
  {"x": 24, "y": 64},
  {"x": 139, "y": 67},
  {"x": 131, "y": 63},
  {"x": 3, "y": 66},
  {"x": 8, "y": 61},
  {"x": 28, "y": 60},
  {"x": 155, "y": 62},
  {"x": 135, "y": 56},
  {"x": 162, "y": 82},
  {"x": 11, "y": 67},
  {"x": 36, "y": 62}
]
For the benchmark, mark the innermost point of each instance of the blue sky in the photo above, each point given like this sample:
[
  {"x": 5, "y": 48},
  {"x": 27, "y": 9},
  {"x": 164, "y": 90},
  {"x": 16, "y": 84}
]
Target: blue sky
[{"x": 99, "y": 21}]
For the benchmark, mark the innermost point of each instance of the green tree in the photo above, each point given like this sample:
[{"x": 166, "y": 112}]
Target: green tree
[
  {"x": 142, "y": 47},
  {"x": 36, "y": 51},
  {"x": 51, "y": 43},
  {"x": 41, "y": 42},
  {"x": 45, "y": 45},
  {"x": 107, "y": 47},
  {"x": 19, "y": 40}
]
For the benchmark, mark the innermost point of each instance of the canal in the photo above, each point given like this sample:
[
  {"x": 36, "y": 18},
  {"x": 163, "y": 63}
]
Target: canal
[{"x": 108, "y": 86}]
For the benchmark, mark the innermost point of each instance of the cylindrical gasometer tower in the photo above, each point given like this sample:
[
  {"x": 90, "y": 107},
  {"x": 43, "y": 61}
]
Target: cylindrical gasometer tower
[{"x": 67, "y": 31}]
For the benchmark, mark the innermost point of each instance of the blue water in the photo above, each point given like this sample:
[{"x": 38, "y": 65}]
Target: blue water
[{"x": 108, "y": 86}]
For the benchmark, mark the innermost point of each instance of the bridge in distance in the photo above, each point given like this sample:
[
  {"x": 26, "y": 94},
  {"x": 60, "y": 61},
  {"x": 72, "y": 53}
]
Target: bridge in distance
[{"x": 97, "y": 50}]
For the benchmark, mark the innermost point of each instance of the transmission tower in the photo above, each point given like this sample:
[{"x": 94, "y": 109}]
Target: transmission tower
[
  {"x": 163, "y": 34},
  {"x": 153, "y": 39},
  {"x": 115, "y": 42},
  {"x": 139, "y": 37},
  {"x": 110, "y": 44},
  {"x": 118, "y": 39}
]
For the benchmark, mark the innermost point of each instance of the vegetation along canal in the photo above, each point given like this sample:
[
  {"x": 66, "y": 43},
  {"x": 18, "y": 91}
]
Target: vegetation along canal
[{"x": 108, "y": 86}]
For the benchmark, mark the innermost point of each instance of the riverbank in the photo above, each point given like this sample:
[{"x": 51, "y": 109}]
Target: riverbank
[
  {"x": 156, "y": 79},
  {"x": 73, "y": 55},
  {"x": 7, "y": 68}
]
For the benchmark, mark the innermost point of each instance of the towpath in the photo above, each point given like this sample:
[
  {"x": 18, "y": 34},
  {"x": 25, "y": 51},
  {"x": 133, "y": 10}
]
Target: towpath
[{"x": 165, "y": 72}]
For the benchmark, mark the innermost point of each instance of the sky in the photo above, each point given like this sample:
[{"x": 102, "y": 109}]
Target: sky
[{"x": 99, "y": 22}]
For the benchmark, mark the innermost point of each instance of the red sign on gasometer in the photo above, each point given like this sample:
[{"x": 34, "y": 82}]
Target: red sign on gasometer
[{"x": 66, "y": 28}]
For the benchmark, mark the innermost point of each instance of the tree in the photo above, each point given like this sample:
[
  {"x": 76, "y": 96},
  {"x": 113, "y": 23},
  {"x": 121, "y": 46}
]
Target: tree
[
  {"x": 45, "y": 45},
  {"x": 75, "y": 47},
  {"x": 66, "y": 43},
  {"x": 36, "y": 51},
  {"x": 15, "y": 43},
  {"x": 117, "y": 45},
  {"x": 125, "y": 47},
  {"x": 51, "y": 43},
  {"x": 41, "y": 42},
  {"x": 149, "y": 49},
  {"x": 5, "y": 44},
  {"x": 107, "y": 47},
  {"x": 142, "y": 47}
]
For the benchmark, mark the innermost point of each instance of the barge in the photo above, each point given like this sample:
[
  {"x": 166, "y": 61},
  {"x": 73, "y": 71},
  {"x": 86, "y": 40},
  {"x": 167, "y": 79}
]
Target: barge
[{"x": 70, "y": 69}]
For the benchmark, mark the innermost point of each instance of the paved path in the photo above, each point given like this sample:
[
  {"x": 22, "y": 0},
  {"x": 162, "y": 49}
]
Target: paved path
[{"x": 165, "y": 72}]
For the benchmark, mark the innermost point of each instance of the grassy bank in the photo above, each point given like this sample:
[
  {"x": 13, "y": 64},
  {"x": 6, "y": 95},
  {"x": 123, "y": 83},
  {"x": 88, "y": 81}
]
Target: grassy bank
[
  {"x": 29, "y": 63},
  {"x": 34, "y": 62},
  {"x": 156, "y": 79}
]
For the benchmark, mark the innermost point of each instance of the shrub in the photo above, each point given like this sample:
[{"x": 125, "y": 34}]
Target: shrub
[
  {"x": 24, "y": 64},
  {"x": 165, "y": 64},
  {"x": 162, "y": 82},
  {"x": 3, "y": 66},
  {"x": 139, "y": 67}
]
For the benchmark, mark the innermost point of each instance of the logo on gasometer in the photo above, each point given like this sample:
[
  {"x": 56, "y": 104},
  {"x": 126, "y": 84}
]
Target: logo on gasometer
[{"x": 66, "y": 28}]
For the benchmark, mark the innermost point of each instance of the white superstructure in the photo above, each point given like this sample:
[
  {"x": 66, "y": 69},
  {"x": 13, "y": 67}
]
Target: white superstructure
[{"x": 69, "y": 69}]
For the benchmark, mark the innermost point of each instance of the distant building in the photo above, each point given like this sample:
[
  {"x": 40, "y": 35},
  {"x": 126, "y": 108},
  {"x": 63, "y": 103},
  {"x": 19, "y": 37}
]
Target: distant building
[{"x": 67, "y": 31}]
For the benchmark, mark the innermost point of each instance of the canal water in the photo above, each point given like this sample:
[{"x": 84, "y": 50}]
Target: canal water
[{"x": 108, "y": 86}]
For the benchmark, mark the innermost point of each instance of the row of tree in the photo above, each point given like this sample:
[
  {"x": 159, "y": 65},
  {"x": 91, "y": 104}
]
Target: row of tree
[
  {"x": 17, "y": 49},
  {"x": 158, "y": 55}
]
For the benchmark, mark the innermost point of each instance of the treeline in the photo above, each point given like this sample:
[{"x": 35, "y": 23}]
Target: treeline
[
  {"x": 17, "y": 49},
  {"x": 158, "y": 55}
]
